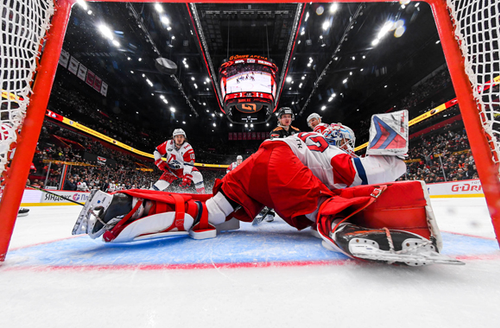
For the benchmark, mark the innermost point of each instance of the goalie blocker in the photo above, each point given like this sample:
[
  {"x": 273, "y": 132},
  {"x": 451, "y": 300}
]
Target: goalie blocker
[{"x": 371, "y": 222}]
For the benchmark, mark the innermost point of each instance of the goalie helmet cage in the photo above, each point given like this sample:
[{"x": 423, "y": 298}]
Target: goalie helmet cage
[{"x": 468, "y": 30}]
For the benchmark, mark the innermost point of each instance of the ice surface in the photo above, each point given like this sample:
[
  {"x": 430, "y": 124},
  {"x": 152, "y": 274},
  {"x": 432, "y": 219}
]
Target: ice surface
[{"x": 263, "y": 276}]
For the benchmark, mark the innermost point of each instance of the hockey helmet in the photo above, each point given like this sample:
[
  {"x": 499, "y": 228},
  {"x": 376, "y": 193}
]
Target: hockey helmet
[
  {"x": 340, "y": 136},
  {"x": 285, "y": 110},
  {"x": 179, "y": 132},
  {"x": 239, "y": 157},
  {"x": 310, "y": 117}
]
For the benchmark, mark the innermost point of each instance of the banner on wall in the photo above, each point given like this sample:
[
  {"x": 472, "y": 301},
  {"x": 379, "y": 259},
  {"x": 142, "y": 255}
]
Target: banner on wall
[
  {"x": 104, "y": 89},
  {"x": 80, "y": 197},
  {"x": 248, "y": 135},
  {"x": 73, "y": 65},
  {"x": 64, "y": 58},
  {"x": 82, "y": 72},
  {"x": 463, "y": 188},
  {"x": 86, "y": 75},
  {"x": 90, "y": 78},
  {"x": 98, "y": 159},
  {"x": 101, "y": 160},
  {"x": 97, "y": 83}
]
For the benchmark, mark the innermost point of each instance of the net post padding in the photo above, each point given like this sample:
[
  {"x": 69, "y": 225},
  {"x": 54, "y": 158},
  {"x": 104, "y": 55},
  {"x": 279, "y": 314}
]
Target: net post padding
[
  {"x": 15, "y": 179},
  {"x": 483, "y": 144}
]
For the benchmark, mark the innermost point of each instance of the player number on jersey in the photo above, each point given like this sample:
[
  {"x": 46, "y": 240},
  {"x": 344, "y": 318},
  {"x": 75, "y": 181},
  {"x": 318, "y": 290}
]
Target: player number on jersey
[{"x": 314, "y": 141}]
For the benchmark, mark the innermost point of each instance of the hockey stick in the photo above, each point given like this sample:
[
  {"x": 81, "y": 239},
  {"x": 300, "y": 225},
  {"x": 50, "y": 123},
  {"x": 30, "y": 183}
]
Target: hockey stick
[{"x": 51, "y": 193}]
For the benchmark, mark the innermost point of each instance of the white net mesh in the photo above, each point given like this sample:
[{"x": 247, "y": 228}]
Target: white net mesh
[
  {"x": 477, "y": 28},
  {"x": 24, "y": 24}
]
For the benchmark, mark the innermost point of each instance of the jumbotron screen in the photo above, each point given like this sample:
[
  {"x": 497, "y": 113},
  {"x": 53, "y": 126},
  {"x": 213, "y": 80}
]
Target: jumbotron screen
[{"x": 248, "y": 85}]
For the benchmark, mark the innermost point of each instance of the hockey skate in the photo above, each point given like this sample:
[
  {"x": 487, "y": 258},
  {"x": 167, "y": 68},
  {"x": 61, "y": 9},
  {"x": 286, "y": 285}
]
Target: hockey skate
[
  {"x": 267, "y": 214},
  {"x": 388, "y": 246},
  {"x": 23, "y": 212}
]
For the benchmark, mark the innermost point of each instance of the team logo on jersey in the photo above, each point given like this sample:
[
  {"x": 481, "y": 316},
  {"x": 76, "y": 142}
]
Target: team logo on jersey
[{"x": 174, "y": 165}]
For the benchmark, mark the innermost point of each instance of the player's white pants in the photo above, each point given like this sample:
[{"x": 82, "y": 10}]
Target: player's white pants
[
  {"x": 162, "y": 185},
  {"x": 198, "y": 180}
]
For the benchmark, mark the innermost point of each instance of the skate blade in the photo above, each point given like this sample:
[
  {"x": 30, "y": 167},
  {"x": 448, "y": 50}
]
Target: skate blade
[
  {"x": 258, "y": 220},
  {"x": 423, "y": 258},
  {"x": 96, "y": 198}
]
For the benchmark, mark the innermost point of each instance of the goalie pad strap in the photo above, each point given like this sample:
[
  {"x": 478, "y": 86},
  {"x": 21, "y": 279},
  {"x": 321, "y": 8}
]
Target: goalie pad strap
[
  {"x": 324, "y": 224},
  {"x": 179, "y": 211},
  {"x": 111, "y": 234},
  {"x": 204, "y": 218}
]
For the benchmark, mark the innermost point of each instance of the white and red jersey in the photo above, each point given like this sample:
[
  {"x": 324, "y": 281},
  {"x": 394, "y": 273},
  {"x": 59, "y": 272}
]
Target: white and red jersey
[
  {"x": 320, "y": 128},
  {"x": 82, "y": 186},
  {"x": 177, "y": 158},
  {"x": 231, "y": 167},
  {"x": 337, "y": 169}
]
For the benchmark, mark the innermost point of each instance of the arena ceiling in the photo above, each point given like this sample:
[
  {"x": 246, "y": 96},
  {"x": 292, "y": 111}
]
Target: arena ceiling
[{"x": 344, "y": 61}]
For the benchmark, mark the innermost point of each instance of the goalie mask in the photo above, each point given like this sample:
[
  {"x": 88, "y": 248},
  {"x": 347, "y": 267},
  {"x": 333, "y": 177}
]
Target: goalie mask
[{"x": 340, "y": 136}]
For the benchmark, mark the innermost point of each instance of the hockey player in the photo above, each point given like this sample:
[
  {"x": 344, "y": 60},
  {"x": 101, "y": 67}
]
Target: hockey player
[
  {"x": 233, "y": 165},
  {"x": 314, "y": 122},
  {"x": 307, "y": 191},
  {"x": 340, "y": 136},
  {"x": 82, "y": 186},
  {"x": 179, "y": 165},
  {"x": 284, "y": 128}
]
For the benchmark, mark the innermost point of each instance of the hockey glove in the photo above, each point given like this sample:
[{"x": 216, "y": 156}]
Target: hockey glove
[
  {"x": 161, "y": 164},
  {"x": 186, "y": 181}
]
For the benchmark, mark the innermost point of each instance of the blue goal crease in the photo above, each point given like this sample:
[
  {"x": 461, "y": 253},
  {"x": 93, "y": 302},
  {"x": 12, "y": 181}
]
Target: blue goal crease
[{"x": 242, "y": 246}]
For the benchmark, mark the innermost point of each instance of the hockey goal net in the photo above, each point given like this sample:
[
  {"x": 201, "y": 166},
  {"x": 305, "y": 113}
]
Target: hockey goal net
[{"x": 469, "y": 32}]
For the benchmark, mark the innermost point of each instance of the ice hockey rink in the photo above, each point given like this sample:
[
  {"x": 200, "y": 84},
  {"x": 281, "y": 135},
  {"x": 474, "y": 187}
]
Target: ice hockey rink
[{"x": 268, "y": 275}]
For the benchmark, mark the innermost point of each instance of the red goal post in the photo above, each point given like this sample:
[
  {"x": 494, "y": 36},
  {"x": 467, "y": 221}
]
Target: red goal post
[{"x": 468, "y": 29}]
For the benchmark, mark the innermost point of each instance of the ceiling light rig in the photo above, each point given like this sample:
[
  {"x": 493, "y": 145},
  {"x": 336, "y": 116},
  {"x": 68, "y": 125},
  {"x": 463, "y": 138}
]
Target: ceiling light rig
[
  {"x": 352, "y": 21},
  {"x": 108, "y": 34},
  {"x": 163, "y": 65}
]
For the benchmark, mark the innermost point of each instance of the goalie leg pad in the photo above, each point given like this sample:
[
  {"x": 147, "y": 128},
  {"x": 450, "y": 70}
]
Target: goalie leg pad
[
  {"x": 154, "y": 226},
  {"x": 88, "y": 214},
  {"x": 376, "y": 223},
  {"x": 179, "y": 215},
  {"x": 106, "y": 218}
]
